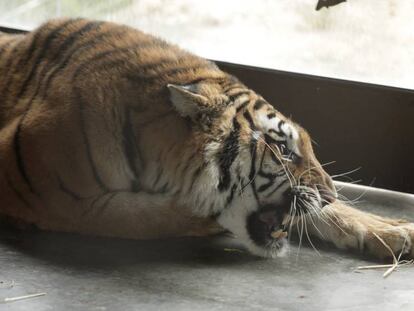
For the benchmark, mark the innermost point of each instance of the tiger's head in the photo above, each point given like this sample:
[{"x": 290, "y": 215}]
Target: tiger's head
[{"x": 259, "y": 168}]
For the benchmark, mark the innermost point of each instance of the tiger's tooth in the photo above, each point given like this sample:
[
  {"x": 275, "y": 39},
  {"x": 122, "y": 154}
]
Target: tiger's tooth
[{"x": 279, "y": 234}]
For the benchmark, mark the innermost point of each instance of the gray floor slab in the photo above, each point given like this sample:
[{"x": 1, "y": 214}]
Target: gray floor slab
[{"x": 85, "y": 273}]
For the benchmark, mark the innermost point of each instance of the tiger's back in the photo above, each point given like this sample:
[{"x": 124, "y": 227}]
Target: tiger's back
[{"x": 74, "y": 96}]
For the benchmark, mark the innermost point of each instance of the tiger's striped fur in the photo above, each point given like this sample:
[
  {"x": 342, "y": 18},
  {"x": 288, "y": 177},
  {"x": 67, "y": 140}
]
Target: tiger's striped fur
[{"x": 106, "y": 130}]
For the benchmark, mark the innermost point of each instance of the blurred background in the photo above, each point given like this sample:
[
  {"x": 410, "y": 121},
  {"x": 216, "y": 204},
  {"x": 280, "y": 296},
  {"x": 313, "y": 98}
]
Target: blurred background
[{"x": 361, "y": 40}]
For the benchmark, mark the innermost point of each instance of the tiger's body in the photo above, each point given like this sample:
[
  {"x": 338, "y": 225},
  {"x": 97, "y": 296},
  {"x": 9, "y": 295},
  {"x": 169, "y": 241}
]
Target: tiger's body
[{"x": 108, "y": 131}]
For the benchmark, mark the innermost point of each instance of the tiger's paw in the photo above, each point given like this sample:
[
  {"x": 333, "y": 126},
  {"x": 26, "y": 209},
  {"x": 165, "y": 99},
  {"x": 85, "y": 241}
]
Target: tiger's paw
[{"x": 389, "y": 237}]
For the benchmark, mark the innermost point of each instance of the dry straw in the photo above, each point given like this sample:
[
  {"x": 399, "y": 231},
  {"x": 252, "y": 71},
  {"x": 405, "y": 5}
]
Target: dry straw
[
  {"x": 396, "y": 261},
  {"x": 13, "y": 299}
]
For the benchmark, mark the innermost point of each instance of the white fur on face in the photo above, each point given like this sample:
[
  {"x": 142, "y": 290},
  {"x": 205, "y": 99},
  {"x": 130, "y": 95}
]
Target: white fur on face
[{"x": 275, "y": 125}]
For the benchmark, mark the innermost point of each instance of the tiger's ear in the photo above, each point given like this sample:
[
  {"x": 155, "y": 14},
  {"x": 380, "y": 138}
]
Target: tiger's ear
[{"x": 187, "y": 101}]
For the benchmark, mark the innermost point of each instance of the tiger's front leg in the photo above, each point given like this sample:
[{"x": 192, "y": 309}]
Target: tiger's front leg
[
  {"x": 350, "y": 228},
  {"x": 135, "y": 215}
]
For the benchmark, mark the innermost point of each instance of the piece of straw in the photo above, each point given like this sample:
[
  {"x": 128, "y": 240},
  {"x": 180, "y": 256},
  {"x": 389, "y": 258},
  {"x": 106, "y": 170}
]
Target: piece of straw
[
  {"x": 396, "y": 261},
  {"x": 279, "y": 234},
  {"x": 13, "y": 299}
]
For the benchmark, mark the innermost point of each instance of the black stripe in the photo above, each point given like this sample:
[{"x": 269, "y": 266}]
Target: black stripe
[
  {"x": 61, "y": 48},
  {"x": 233, "y": 97},
  {"x": 105, "y": 204},
  {"x": 166, "y": 74},
  {"x": 252, "y": 174},
  {"x": 64, "y": 52},
  {"x": 231, "y": 196},
  {"x": 266, "y": 186},
  {"x": 10, "y": 70},
  {"x": 17, "y": 137},
  {"x": 201, "y": 79},
  {"x": 249, "y": 119},
  {"x": 12, "y": 57},
  {"x": 281, "y": 134},
  {"x": 17, "y": 192},
  {"x": 178, "y": 70},
  {"x": 229, "y": 199},
  {"x": 275, "y": 158},
  {"x": 69, "y": 192},
  {"x": 115, "y": 52},
  {"x": 138, "y": 74},
  {"x": 17, "y": 144},
  {"x": 24, "y": 60},
  {"x": 281, "y": 123},
  {"x": 164, "y": 188},
  {"x": 81, "y": 105},
  {"x": 277, "y": 187},
  {"x": 45, "y": 47},
  {"x": 96, "y": 200},
  {"x": 113, "y": 61},
  {"x": 112, "y": 53},
  {"x": 259, "y": 104},
  {"x": 271, "y": 176},
  {"x": 189, "y": 162},
  {"x": 159, "y": 174},
  {"x": 233, "y": 86},
  {"x": 34, "y": 45},
  {"x": 271, "y": 115},
  {"x": 242, "y": 105},
  {"x": 130, "y": 148},
  {"x": 270, "y": 140},
  {"x": 74, "y": 51},
  {"x": 70, "y": 39},
  {"x": 227, "y": 155},
  {"x": 262, "y": 159},
  {"x": 195, "y": 176}
]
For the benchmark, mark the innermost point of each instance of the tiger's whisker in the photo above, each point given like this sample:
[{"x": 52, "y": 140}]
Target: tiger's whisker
[
  {"x": 335, "y": 222},
  {"x": 346, "y": 173},
  {"x": 318, "y": 213},
  {"x": 313, "y": 167},
  {"x": 309, "y": 239},
  {"x": 300, "y": 236}
]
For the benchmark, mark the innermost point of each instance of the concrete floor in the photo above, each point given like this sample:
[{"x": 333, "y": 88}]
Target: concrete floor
[{"x": 84, "y": 273}]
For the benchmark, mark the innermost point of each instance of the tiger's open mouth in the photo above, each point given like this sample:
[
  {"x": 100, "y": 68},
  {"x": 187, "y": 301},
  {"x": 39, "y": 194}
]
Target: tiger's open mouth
[{"x": 266, "y": 226}]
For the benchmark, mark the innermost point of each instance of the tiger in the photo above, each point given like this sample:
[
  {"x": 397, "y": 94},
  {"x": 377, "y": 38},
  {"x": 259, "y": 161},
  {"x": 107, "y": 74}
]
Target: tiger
[{"x": 108, "y": 131}]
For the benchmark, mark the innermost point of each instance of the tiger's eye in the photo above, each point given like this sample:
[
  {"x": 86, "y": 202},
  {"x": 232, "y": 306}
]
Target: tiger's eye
[{"x": 282, "y": 148}]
